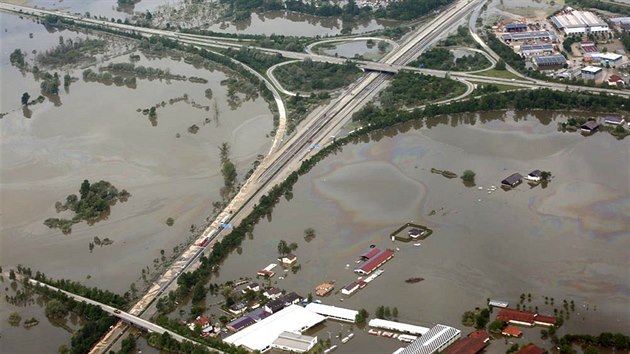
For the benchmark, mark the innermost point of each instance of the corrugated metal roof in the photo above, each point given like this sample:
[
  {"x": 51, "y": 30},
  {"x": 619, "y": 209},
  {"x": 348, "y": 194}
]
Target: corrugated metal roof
[
  {"x": 435, "y": 338},
  {"x": 398, "y": 326}
]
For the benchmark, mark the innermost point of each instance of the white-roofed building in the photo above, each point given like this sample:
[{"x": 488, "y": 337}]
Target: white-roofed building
[
  {"x": 398, "y": 326},
  {"x": 333, "y": 312},
  {"x": 435, "y": 340},
  {"x": 610, "y": 59},
  {"x": 261, "y": 335},
  {"x": 294, "y": 342},
  {"x": 592, "y": 73},
  {"x": 579, "y": 22}
]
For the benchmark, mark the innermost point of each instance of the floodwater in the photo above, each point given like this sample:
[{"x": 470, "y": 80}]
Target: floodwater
[
  {"x": 350, "y": 49},
  {"x": 96, "y": 133},
  {"x": 107, "y": 8},
  {"x": 569, "y": 240},
  {"x": 294, "y": 24}
]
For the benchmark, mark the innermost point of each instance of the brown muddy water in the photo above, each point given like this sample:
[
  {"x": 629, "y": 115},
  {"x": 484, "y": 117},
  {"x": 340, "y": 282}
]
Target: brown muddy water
[
  {"x": 97, "y": 134},
  {"x": 569, "y": 240}
]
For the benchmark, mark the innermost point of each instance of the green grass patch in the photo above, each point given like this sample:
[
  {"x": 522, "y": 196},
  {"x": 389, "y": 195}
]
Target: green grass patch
[
  {"x": 503, "y": 74},
  {"x": 500, "y": 87}
]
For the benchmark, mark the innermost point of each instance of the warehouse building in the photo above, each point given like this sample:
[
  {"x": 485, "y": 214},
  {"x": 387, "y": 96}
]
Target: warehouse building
[
  {"x": 549, "y": 62},
  {"x": 592, "y": 73},
  {"x": 435, "y": 340},
  {"x": 294, "y": 342},
  {"x": 398, "y": 326},
  {"x": 529, "y": 50},
  {"x": 333, "y": 312},
  {"x": 579, "y": 22},
  {"x": 535, "y": 36},
  {"x": 261, "y": 335}
]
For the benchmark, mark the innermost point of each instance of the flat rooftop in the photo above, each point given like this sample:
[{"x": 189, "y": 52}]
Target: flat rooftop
[
  {"x": 333, "y": 311},
  {"x": 398, "y": 326},
  {"x": 261, "y": 335},
  {"x": 430, "y": 342},
  {"x": 576, "y": 19}
]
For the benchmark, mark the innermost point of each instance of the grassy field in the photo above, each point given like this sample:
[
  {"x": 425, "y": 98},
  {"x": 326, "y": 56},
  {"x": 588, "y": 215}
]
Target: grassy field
[{"x": 503, "y": 74}]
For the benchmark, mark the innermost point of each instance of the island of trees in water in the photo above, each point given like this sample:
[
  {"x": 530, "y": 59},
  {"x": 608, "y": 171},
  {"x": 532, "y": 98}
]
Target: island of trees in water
[{"x": 92, "y": 205}]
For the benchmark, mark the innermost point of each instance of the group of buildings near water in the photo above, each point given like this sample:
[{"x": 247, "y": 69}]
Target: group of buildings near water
[{"x": 539, "y": 42}]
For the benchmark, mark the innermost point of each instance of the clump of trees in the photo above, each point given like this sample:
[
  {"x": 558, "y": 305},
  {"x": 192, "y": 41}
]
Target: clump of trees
[
  {"x": 443, "y": 59},
  {"x": 17, "y": 58},
  {"x": 309, "y": 234},
  {"x": 408, "y": 89},
  {"x": 71, "y": 51},
  {"x": 477, "y": 318},
  {"x": 286, "y": 248},
  {"x": 92, "y": 205},
  {"x": 308, "y": 75},
  {"x": 170, "y": 221},
  {"x": 468, "y": 177},
  {"x": 384, "y": 312},
  {"x": 228, "y": 170},
  {"x": 362, "y": 316}
]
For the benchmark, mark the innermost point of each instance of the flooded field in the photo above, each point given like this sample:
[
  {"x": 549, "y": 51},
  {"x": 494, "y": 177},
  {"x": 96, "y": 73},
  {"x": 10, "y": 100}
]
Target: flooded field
[
  {"x": 566, "y": 241},
  {"x": 96, "y": 133},
  {"x": 107, "y": 8},
  {"x": 354, "y": 48},
  {"x": 293, "y": 24}
]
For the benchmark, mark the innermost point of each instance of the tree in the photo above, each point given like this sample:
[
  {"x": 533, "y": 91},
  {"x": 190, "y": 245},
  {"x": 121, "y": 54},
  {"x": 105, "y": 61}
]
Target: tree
[
  {"x": 12, "y": 274},
  {"x": 382, "y": 46},
  {"x": 85, "y": 189},
  {"x": 309, "y": 234},
  {"x": 56, "y": 309},
  {"x": 14, "y": 319},
  {"x": 591, "y": 350},
  {"x": 199, "y": 292},
  {"x": 362, "y": 316},
  {"x": 67, "y": 80},
  {"x": 500, "y": 65},
  {"x": 496, "y": 326},
  {"x": 380, "y": 312},
  {"x": 25, "y": 98},
  {"x": 283, "y": 247},
  {"x": 468, "y": 176},
  {"x": 395, "y": 311},
  {"x": 170, "y": 221}
]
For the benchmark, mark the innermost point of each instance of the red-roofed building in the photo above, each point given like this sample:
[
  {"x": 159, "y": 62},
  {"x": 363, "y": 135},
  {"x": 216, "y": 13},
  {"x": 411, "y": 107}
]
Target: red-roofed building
[
  {"x": 473, "y": 344},
  {"x": 545, "y": 320},
  {"x": 531, "y": 349},
  {"x": 524, "y": 318},
  {"x": 615, "y": 80},
  {"x": 511, "y": 331},
  {"x": 370, "y": 253},
  {"x": 376, "y": 261}
]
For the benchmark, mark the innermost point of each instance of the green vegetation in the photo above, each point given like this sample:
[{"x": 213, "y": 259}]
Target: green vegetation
[
  {"x": 445, "y": 173},
  {"x": 228, "y": 170},
  {"x": 477, "y": 318},
  {"x": 443, "y": 59},
  {"x": 92, "y": 206},
  {"x": 408, "y": 89},
  {"x": 107, "y": 78},
  {"x": 56, "y": 309},
  {"x": 70, "y": 52},
  {"x": 503, "y": 74},
  {"x": 17, "y": 58},
  {"x": 299, "y": 107},
  {"x": 141, "y": 71},
  {"x": 461, "y": 38},
  {"x": 128, "y": 345},
  {"x": 618, "y": 341},
  {"x": 403, "y": 10},
  {"x": 25, "y": 98},
  {"x": 468, "y": 176},
  {"x": 284, "y": 248},
  {"x": 309, "y": 234},
  {"x": 611, "y": 5},
  {"x": 362, "y": 316},
  {"x": 31, "y": 322},
  {"x": 496, "y": 326},
  {"x": 50, "y": 84},
  {"x": 483, "y": 88},
  {"x": 170, "y": 221},
  {"x": 14, "y": 319},
  {"x": 505, "y": 52},
  {"x": 254, "y": 58},
  {"x": 308, "y": 75}
]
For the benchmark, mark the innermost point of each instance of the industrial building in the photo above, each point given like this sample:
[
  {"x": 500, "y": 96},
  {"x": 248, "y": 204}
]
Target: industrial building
[
  {"x": 398, "y": 326},
  {"x": 592, "y": 73},
  {"x": 535, "y": 36},
  {"x": 529, "y": 50},
  {"x": 610, "y": 59},
  {"x": 294, "y": 342},
  {"x": 261, "y": 335},
  {"x": 333, "y": 312},
  {"x": 435, "y": 340},
  {"x": 549, "y": 62},
  {"x": 579, "y": 22},
  {"x": 516, "y": 27}
]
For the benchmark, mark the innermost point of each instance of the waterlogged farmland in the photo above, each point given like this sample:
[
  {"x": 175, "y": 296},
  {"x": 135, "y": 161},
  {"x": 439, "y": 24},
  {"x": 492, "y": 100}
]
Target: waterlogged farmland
[{"x": 97, "y": 130}]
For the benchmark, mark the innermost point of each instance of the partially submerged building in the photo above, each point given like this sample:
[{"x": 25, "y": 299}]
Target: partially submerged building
[
  {"x": 435, "y": 340},
  {"x": 375, "y": 261},
  {"x": 333, "y": 312},
  {"x": 294, "y": 342},
  {"x": 512, "y": 180}
]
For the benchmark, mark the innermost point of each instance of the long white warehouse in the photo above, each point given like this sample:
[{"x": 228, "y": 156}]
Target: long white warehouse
[
  {"x": 435, "y": 340},
  {"x": 261, "y": 335},
  {"x": 398, "y": 326},
  {"x": 332, "y": 312}
]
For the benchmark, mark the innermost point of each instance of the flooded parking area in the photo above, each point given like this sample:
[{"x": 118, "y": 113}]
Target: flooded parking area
[{"x": 567, "y": 241}]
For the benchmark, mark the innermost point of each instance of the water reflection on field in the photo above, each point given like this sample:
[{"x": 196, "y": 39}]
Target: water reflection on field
[
  {"x": 567, "y": 241},
  {"x": 97, "y": 134}
]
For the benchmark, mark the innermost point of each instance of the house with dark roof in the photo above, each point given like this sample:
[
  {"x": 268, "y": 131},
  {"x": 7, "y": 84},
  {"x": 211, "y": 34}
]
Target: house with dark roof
[
  {"x": 240, "y": 323},
  {"x": 238, "y": 308},
  {"x": 513, "y": 180},
  {"x": 272, "y": 293},
  {"x": 531, "y": 349},
  {"x": 274, "y": 306},
  {"x": 589, "y": 127},
  {"x": 291, "y": 298},
  {"x": 614, "y": 120}
]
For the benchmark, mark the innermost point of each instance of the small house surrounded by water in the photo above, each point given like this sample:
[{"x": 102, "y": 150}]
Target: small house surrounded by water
[
  {"x": 590, "y": 126},
  {"x": 350, "y": 288},
  {"x": 534, "y": 176},
  {"x": 614, "y": 120},
  {"x": 513, "y": 180}
]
